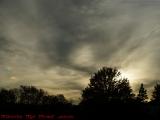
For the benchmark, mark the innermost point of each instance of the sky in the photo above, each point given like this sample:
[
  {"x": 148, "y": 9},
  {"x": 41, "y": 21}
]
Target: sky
[{"x": 57, "y": 44}]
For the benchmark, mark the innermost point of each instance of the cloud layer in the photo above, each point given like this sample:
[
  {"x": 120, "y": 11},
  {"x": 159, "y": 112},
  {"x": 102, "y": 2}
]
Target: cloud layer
[{"x": 57, "y": 44}]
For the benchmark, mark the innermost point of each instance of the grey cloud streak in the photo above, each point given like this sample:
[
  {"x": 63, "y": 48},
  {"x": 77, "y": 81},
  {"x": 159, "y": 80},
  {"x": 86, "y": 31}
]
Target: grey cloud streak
[{"x": 44, "y": 39}]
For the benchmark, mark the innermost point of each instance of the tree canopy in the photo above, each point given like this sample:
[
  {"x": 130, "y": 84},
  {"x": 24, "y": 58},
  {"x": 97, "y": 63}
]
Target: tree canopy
[
  {"x": 156, "y": 94},
  {"x": 142, "y": 95},
  {"x": 107, "y": 85},
  {"x": 30, "y": 95}
]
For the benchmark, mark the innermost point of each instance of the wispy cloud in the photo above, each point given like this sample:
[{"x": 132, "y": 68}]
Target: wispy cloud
[{"x": 58, "y": 44}]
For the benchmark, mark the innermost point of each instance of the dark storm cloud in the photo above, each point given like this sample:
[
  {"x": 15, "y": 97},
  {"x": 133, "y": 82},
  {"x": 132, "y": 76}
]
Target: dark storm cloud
[
  {"x": 5, "y": 48},
  {"x": 68, "y": 30},
  {"x": 74, "y": 24},
  {"x": 81, "y": 23},
  {"x": 3, "y": 43}
]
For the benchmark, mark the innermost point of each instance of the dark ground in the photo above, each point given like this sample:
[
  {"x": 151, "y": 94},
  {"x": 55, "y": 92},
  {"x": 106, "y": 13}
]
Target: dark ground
[{"x": 81, "y": 112}]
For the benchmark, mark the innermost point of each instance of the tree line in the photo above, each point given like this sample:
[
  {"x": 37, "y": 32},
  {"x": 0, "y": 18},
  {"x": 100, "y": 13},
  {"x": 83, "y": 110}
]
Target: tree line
[
  {"x": 107, "y": 93},
  {"x": 106, "y": 85},
  {"x": 30, "y": 95}
]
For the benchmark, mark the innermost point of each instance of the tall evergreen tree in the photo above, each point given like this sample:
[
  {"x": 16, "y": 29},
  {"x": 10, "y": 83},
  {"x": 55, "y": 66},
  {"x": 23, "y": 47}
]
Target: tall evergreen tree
[
  {"x": 156, "y": 93},
  {"x": 142, "y": 95}
]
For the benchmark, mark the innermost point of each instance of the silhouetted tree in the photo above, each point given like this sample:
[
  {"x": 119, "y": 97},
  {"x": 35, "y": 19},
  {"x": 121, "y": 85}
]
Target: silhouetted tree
[
  {"x": 107, "y": 85},
  {"x": 31, "y": 95},
  {"x": 123, "y": 91},
  {"x": 61, "y": 99},
  {"x": 156, "y": 94},
  {"x": 16, "y": 92},
  {"x": 142, "y": 95},
  {"x": 7, "y": 97},
  {"x": 54, "y": 100}
]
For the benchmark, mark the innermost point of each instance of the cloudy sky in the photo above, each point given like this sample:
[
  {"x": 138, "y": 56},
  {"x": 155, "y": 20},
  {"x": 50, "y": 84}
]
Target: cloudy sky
[{"x": 57, "y": 44}]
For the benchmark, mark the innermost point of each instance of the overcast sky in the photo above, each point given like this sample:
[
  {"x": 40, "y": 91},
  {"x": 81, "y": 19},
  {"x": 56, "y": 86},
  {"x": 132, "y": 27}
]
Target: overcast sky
[{"x": 57, "y": 44}]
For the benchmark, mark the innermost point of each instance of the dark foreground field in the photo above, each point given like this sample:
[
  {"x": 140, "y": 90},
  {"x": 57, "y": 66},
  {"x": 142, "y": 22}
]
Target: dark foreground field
[{"x": 79, "y": 112}]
